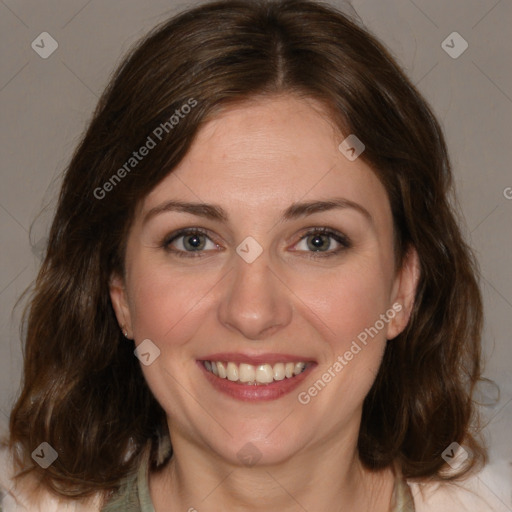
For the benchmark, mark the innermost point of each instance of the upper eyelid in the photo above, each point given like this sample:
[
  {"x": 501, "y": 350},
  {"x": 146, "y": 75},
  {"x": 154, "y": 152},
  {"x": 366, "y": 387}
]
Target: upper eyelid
[{"x": 185, "y": 231}]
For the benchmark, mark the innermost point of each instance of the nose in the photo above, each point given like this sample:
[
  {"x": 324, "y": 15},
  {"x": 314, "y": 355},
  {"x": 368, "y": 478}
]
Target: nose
[{"x": 255, "y": 303}]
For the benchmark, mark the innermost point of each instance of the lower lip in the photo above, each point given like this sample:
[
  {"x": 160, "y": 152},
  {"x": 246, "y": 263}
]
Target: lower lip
[{"x": 255, "y": 393}]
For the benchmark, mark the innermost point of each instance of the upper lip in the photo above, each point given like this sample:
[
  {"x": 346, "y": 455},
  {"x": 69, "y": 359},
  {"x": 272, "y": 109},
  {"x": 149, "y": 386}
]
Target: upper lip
[{"x": 256, "y": 359}]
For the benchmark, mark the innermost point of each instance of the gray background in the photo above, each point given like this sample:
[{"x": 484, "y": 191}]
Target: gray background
[{"x": 46, "y": 104}]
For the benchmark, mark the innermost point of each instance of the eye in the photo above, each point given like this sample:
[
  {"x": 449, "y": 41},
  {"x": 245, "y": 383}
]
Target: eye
[
  {"x": 189, "y": 243},
  {"x": 193, "y": 243},
  {"x": 319, "y": 241}
]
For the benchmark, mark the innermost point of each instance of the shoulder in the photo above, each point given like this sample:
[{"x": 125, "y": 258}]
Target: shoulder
[
  {"x": 479, "y": 492},
  {"x": 26, "y": 496}
]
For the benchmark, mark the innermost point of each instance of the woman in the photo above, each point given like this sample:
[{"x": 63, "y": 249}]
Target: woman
[{"x": 255, "y": 294}]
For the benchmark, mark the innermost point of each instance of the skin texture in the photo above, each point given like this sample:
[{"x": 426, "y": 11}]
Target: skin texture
[{"x": 254, "y": 161}]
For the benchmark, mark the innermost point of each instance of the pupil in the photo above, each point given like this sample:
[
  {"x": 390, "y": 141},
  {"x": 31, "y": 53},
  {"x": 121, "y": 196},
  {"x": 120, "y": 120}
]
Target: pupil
[
  {"x": 194, "y": 241},
  {"x": 317, "y": 241}
]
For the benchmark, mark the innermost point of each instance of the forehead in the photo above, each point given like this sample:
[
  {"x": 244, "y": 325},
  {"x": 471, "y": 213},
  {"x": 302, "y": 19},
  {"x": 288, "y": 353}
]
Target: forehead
[{"x": 267, "y": 154}]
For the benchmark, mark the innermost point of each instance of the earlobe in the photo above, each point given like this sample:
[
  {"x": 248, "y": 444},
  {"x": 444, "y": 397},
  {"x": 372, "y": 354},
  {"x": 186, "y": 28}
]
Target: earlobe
[
  {"x": 119, "y": 300},
  {"x": 404, "y": 292}
]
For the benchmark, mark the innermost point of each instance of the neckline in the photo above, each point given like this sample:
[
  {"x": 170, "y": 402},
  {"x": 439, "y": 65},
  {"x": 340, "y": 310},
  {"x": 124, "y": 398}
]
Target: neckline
[{"x": 401, "y": 500}]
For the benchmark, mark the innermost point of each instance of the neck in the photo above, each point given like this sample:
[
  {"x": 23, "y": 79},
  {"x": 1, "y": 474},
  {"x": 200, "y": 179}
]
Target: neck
[{"x": 330, "y": 479}]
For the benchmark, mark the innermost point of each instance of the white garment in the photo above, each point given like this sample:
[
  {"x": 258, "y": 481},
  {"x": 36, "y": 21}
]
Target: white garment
[
  {"x": 475, "y": 494},
  {"x": 14, "y": 500}
]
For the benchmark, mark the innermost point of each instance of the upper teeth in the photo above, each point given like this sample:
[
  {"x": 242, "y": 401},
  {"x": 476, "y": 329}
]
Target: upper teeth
[{"x": 259, "y": 374}]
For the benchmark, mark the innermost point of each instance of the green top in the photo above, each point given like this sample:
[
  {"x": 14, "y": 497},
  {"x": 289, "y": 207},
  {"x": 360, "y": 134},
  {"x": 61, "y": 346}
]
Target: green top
[{"x": 133, "y": 495}]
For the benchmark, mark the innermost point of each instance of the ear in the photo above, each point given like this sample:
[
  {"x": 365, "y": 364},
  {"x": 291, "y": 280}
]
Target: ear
[
  {"x": 404, "y": 291},
  {"x": 120, "y": 304}
]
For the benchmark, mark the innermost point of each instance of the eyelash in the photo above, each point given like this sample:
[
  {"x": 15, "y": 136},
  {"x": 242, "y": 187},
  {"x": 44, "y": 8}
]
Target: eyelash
[{"x": 343, "y": 240}]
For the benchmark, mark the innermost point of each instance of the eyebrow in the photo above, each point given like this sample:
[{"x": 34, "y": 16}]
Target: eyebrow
[{"x": 294, "y": 211}]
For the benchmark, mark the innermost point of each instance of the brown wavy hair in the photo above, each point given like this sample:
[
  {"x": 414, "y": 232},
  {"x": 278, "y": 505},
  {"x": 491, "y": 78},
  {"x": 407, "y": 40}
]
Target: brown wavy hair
[{"x": 83, "y": 390}]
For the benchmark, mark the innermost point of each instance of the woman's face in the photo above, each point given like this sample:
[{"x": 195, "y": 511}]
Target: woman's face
[{"x": 256, "y": 288}]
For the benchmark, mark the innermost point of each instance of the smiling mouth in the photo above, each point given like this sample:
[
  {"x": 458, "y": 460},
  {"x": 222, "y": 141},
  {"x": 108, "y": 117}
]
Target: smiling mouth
[{"x": 255, "y": 375}]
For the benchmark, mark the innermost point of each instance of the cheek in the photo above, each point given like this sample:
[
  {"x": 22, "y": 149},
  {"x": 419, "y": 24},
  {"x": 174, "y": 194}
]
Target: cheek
[
  {"x": 346, "y": 309},
  {"x": 345, "y": 302},
  {"x": 165, "y": 303}
]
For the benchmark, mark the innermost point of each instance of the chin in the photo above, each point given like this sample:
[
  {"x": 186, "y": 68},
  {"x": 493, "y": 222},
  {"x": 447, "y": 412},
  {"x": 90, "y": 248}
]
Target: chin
[{"x": 260, "y": 447}]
